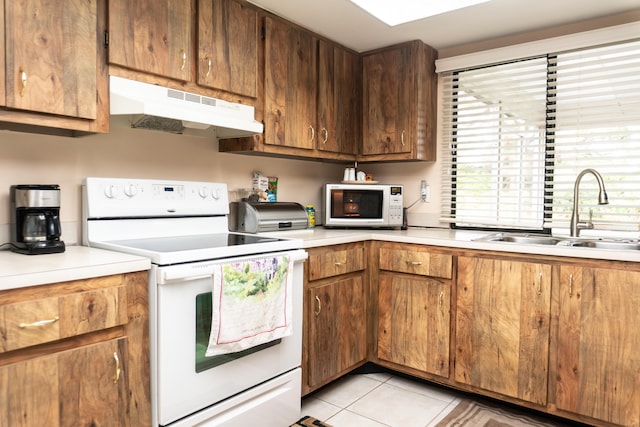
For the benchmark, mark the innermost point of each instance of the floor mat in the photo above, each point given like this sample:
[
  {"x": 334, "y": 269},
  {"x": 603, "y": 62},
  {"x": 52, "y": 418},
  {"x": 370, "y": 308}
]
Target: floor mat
[
  {"x": 473, "y": 413},
  {"x": 308, "y": 421}
]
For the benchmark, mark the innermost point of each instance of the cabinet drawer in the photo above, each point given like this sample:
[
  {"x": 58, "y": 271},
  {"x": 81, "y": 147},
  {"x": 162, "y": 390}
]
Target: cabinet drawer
[
  {"x": 333, "y": 261},
  {"x": 415, "y": 261},
  {"x": 27, "y": 323}
]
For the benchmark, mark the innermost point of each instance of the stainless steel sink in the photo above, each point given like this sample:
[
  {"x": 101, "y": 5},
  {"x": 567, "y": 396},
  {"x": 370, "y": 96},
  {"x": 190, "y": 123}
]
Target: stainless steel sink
[
  {"x": 538, "y": 239},
  {"x": 607, "y": 244},
  {"x": 531, "y": 239}
]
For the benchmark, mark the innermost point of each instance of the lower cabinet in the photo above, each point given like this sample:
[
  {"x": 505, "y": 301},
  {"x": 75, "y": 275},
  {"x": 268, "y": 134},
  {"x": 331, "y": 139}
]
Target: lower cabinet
[
  {"x": 414, "y": 308},
  {"x": 335, "y": 313},
  {"x": 76, "y": 353},
  {"x": 598, "y": 363},
  {"x": 559, "y": 335},
  {"x": 86, "y": 386},
  {"x": 503, "y": 326}
]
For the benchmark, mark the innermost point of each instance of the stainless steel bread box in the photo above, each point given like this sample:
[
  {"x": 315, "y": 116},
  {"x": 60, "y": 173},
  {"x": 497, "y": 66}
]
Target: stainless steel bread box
[{"x": 257, "y": 217}]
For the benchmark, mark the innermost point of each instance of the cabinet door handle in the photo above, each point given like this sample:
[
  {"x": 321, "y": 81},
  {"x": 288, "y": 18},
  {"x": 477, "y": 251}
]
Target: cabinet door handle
[
  {"x": 208, "y": 67},
  {"x": 23, "y": 80},
  {"x": 183, "y": 54},
  {"x": 326, "y": 135},
  {"x": 39, "y": 323},
  {"x": 402, "y": 138},
  {"x": 318, "y": 306},
  {"x": 116, "y": 377},
  {"x": 414, "y": 262},
  {"x": 539, "y": 287},
  {"x": 313, "y": 132},
  {"x": 441, "y": 299},
  {"x": 571, "y": 285}
]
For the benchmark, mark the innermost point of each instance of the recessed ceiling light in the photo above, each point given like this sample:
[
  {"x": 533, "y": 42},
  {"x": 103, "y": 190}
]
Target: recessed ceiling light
[{"x": 396, "y": 12}]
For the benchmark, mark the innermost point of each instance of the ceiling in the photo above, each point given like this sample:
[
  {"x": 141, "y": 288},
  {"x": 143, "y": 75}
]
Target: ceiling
[{"x": 347, "y": 24}]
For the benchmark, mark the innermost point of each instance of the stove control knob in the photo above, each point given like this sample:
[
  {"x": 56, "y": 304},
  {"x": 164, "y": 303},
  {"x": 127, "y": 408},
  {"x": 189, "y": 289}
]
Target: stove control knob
[
  {"x": 203, "y": 192},
  {"x": 110, "y": 191},
  {"x": 215, "y": 193},
  {"x": 130, "y": 190}
]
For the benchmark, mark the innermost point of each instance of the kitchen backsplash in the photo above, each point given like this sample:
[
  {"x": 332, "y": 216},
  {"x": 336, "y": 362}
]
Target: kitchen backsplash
[{"x": 41, "y": 159}]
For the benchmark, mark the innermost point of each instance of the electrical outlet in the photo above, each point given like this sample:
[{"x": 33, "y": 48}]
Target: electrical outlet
[{"x": 424, "y": 191}]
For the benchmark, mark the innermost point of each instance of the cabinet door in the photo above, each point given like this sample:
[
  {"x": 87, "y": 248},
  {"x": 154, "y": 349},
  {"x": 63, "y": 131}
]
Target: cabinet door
[
  {"x": 414, "y": 322},
  {"x": 337, "y": 328},
  {"x": 290, "y": 86},
  {"x": 80, "y": 387},
  {"x": 387, "y": 85},
  {"x": 51, "y": 57},
  {"x": 227, "y": 46},
  {"x": 598, "y": 366},
  {"x": 153, "y": 36},
  {"x": 502, "y": 327},
  {"x": 339, "y": 111}
]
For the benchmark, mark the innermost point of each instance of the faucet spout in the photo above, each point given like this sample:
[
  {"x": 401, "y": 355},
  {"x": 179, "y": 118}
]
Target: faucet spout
[{"x": 603, "y": 199}]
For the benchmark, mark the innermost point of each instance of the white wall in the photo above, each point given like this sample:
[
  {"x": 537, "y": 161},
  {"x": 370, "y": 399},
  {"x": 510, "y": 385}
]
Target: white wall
[{"x": 37, "y": 159}]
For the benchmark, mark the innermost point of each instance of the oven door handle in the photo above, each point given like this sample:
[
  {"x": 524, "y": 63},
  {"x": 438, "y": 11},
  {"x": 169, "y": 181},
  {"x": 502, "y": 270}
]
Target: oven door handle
[{"x": 177, "y": 274}]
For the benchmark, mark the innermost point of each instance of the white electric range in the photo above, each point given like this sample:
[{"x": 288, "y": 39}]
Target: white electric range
[{"x": 182, "y": 226}]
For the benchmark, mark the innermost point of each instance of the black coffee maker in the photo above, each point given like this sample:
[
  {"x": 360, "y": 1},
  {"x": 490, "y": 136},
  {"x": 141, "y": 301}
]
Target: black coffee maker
[{"x": 35, "y": 219}]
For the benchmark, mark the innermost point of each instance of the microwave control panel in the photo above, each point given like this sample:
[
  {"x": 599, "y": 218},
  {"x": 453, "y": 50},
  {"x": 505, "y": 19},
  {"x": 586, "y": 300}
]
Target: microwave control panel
[{"x": 395, "y": 205}]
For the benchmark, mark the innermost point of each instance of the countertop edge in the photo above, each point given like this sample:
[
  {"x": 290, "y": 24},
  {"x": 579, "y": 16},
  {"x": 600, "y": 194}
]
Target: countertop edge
[
  {"x": 454, "y": 239},
  {"x": 76, "y": 263}
]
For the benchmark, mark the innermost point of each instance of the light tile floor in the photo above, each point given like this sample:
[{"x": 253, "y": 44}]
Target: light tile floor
[{"x": 380, "y": 400}]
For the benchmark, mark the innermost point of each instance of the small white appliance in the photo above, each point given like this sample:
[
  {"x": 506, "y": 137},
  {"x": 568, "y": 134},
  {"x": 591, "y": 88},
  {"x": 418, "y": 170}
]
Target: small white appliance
[
  {"x": 367, "y": 205},
  {"x": 182, "y": 226}
]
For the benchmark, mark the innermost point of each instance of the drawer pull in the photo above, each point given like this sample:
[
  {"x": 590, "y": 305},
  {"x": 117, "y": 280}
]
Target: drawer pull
[
  {"x": 414, "y": 262},
  {"x": 338, "y": 264},
  {"x": 39, "y": 323},
  {"x": 116, "y": 377},
  {"x": 318, "y": 306}
]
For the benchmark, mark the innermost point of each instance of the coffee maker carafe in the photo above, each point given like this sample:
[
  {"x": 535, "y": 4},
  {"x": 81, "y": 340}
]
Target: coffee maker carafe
[{"x": 35, "y": 219}]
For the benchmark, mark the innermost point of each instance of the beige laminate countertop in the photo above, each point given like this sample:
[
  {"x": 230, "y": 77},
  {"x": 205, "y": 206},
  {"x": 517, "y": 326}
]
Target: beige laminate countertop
[
  {"x": 75, "y": 263},
  {"x": 462, "y": 239}
]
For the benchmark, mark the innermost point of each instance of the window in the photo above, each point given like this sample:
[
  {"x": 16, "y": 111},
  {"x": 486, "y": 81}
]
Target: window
[{"x": 517, "y": 134}]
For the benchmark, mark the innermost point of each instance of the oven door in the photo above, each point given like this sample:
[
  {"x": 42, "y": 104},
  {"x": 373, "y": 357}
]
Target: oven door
[{"x": 185, "y": 380}]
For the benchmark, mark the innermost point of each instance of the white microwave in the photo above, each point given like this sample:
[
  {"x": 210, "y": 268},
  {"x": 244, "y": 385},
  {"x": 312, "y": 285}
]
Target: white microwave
[{"x": 364, "y": 205}]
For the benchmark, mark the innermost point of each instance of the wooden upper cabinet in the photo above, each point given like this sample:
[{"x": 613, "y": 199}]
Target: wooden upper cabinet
[
  {"x": 152, "y": 36},
  {"x": 399, "y": 103},
  {"x": 339, "y": 106},
  {"x": 290, "y": 86},
  {"x": 228, "y": 46},
  {"x": 51, "y": 57}
]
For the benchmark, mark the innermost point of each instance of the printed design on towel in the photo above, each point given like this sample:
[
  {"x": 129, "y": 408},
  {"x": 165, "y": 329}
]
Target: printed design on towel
[{"x": 251, "y": 304}]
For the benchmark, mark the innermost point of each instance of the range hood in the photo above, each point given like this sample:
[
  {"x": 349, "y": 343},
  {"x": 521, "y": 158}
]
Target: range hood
[{"x": 155, "y": 107}]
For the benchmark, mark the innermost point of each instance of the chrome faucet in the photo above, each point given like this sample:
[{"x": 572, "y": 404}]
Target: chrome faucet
[{"x": 576, "y": 224}]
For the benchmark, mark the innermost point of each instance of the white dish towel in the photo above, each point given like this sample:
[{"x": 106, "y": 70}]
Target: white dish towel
[{"x": 251, "y": 303}]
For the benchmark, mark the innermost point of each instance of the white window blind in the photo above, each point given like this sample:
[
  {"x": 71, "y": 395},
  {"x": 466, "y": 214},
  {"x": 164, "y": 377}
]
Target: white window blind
[{"x": 517, "y": 134}]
